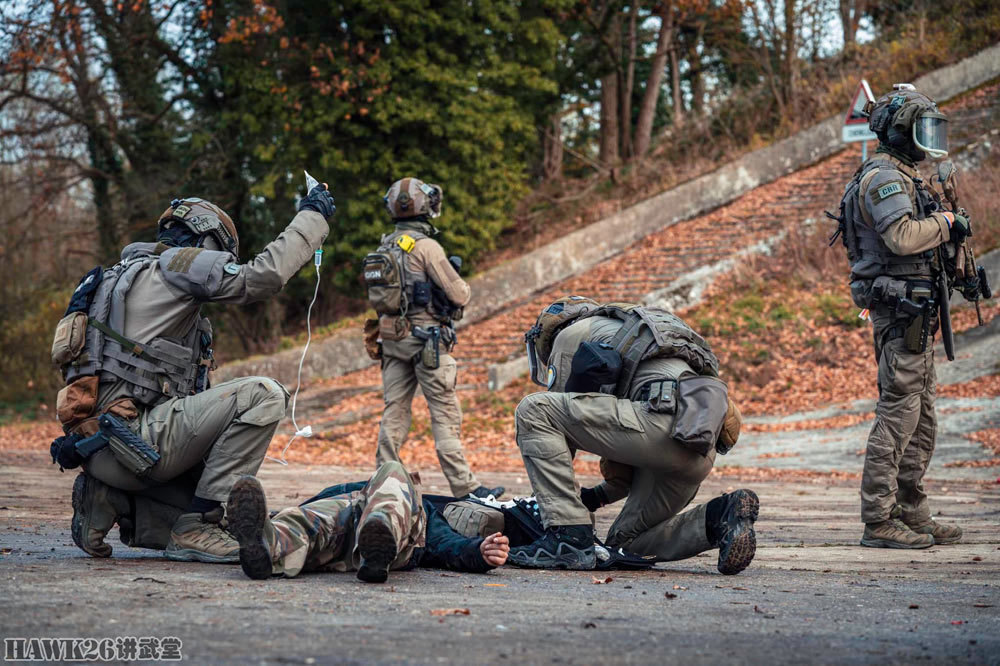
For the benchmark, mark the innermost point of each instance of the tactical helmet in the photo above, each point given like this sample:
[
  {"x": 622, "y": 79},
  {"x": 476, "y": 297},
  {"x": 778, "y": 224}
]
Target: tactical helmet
[
  {"x": 539, "y": 338},
  {"x": 411, "y": 197},
  {"x": 202, "y": 218},
  {"x": 910, "y": 122}
]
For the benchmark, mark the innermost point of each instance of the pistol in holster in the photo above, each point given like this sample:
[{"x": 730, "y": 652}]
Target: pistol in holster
[
  {"x": 430, "y": 355},
  {"x": 128, "y": 448},
  {"x": 919, "y": 308}
]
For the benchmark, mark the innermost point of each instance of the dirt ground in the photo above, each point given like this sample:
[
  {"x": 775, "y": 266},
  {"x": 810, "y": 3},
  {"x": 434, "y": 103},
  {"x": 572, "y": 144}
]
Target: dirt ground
[{"x": 811, "y": 594}]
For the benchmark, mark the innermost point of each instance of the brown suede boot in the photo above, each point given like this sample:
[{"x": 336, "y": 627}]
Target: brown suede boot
[
  {"x": 894, "y": 533},
  {"x": 96, "y": 509},
  {"x": 943, "y": 534}
]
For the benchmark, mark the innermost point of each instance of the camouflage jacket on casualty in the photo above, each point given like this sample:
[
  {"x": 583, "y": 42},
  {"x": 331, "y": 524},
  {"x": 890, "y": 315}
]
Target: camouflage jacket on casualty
[{"x": 445, "y": 548}]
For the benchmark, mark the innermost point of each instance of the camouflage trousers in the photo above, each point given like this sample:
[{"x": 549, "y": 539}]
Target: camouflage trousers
[
  {"x": 323, "y": 535},
  {"x": 401, "y": 374},
  {"x": 903, "y": 435}
]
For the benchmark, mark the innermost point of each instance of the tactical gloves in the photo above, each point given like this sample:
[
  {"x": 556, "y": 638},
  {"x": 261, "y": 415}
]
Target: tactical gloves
[
  {"x": 319, "y": 200},
  {"x": 960, "y": 228}
]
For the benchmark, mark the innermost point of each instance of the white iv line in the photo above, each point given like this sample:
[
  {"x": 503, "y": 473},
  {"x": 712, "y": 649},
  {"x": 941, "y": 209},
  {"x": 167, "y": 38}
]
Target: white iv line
[{"x": 306, "y": 431}]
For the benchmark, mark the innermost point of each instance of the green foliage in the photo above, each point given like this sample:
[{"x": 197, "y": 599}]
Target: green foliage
[{"x": 30, "y": 318}]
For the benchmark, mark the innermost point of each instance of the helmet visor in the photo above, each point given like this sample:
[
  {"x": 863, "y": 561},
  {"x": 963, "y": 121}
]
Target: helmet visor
[
  {"x": 535, "y": 370},
  {"x": 930, "y": 134}
]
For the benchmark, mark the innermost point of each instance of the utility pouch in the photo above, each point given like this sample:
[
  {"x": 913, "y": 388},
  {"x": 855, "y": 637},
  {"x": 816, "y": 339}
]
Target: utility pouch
[
  {"x": 77, "y": 402},
  {"x": 69, "y": 338},
  {"x": 660, "y": 396},
  {"x": 702, "y": 403},
  {"x": 372, "y": 345},
  {"x": 595, "y": 368},
  {"x": 887, "y": 291},
  {"x": 129, "y": 449},
  {"x": 393, "y": 328},
  {"x": 861, "y": 293},
  {"x": 421, "y": 294}
]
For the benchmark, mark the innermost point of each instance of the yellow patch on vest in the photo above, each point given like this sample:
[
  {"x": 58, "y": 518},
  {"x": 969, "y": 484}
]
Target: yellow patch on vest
[{"x": 406, "y": 243}]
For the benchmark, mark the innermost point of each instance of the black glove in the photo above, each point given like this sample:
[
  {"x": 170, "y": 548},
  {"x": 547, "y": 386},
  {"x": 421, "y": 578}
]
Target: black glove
[
  {"x": 63, "y": 451},
  {"x": 960, "y": 229},
  {"x": 319, "y": 200},
  {"x": 590, "y": 499}
]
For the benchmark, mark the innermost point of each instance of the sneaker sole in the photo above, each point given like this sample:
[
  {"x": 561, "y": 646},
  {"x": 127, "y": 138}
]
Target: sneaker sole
[
  {"x": 743, "y": 545},
  {"x": 247, "y": 514},
  {"x": 191, "y": 555},
  {"x": 377, "y": 547},
  {"x": 76, "y": 525},
  {"x": 946, "y": 542},
  {"x": 573, "y": 560},
  {"x": 884, "y": 543}
]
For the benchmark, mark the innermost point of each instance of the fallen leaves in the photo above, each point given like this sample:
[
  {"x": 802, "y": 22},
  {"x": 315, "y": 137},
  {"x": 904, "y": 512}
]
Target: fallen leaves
[
  {"x": 601, "y": 581},
  {"x": 450, "y": 611},
  {"x": 670, "y": 595}
]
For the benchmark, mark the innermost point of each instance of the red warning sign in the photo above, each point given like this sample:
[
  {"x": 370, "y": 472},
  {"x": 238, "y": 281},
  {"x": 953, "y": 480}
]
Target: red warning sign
[{"x": 856, "y": 122}]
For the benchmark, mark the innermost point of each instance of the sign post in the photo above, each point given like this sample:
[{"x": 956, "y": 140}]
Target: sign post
[{"x": 856, "y": 122}]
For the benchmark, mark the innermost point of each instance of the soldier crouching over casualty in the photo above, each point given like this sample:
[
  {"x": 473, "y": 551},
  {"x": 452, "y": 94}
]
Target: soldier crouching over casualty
[
  {"x": 370, "y": 527},
  {"x": 639, "y": 388},
  {"x": 160, "y": 448},
  {"x": 906, "y": 254}
]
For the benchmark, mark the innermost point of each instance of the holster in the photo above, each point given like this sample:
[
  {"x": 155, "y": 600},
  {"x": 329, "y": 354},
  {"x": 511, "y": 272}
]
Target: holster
[{"x": 430, "y": 355}]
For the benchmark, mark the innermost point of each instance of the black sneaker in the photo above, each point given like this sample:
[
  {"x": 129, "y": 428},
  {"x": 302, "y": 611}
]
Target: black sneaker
[
  {"x": 247, "y": 515},
  {"x": 377, "y": 546},
  {"x": 563, "y": 547},
  {"x": 482, "y": 492},
  {"x": 737, "y": 541}
]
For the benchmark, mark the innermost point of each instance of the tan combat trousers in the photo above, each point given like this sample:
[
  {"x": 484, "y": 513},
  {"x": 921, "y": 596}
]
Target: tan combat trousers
[
  {"x": 227, "y": 428},
  {"x": 902, "y": 438},
  {"x": 323, "y": 535},
  {"x": 551, "y": 427},
  {"x": 402, "y": 372}
]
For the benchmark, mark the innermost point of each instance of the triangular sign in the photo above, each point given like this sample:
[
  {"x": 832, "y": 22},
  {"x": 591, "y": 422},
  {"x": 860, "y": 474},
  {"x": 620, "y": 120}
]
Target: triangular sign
[{"x": 855, "y": 112}]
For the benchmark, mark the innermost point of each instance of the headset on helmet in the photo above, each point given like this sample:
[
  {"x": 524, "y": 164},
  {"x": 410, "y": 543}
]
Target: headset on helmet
[
  {"x": 909, "y": 121},
  {"x": 411, "y": 197},
  {"x": 539, "y": 338},
  {"x": 201, "y": 218}
]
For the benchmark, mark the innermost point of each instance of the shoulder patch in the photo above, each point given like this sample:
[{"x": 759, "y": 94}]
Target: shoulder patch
[
  {"x": 551, "y": 379},
  {"x": 887, "y": 191},
  {"x": 232, "y": 268}
]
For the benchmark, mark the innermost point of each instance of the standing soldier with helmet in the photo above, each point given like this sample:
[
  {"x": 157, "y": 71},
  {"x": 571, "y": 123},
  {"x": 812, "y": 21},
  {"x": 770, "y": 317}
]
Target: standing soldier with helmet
[
  {"x": 905, "y": 253},
  {"x": 417, "y": 293},
  {"x": 160, "y": 448}
]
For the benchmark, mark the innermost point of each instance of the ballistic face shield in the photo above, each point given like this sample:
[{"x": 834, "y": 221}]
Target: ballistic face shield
[
  {"x": 539, "y": 338},
  {"x": 536, "y": 368},
  {"x": 930, "y": 134}
]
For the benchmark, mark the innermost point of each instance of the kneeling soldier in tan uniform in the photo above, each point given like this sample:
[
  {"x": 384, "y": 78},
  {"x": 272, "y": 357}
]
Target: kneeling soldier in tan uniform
[
  {"x": 639, "y": 388},
  {"x": 417, "y": 293},
  {"x": 160, "y": 448}
]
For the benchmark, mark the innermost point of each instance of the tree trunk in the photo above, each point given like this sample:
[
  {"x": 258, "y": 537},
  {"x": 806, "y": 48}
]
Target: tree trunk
[
  {"x": 789, "y": 65},
  {"x": 675, "y": 85},
  {"x": 552, "y": 148},
  {"x": 609, "y": 120},
  {"x": 644, "y": 125},
  {"x": 626, "y": 91},
  {"x": 695, "y": 76}
]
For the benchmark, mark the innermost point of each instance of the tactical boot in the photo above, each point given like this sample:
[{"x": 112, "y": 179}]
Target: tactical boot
[
  {"x": 201, "y": 537},
  {"x": 733, "y": 531},
  {"x": 482, "y": 492},
  {"x": 96, "y": 509},
  {"x": 377, "y": 547},
  {"x": 561, "y": 547},
  {"x": 249, "y": 523},
  {"x": 943, "y": 534},
  {"x": 894, "y": 533}
]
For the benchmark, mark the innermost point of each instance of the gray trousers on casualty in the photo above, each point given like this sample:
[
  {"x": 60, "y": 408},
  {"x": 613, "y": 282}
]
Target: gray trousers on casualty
[
  {"x": 402, "y": 372},
  {"x": 551, "y": 427},
  {"x": 226, "y": 428},
  {"x": 902, "y": 438}
]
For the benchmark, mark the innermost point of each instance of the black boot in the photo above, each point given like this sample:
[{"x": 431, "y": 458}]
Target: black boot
[
  {"x": 561, "y": 547},
  {"x": 729, "y": 523},
  {"x": 248, "y": 522},
  {"x": 377, "y": 547},
  {"x": 482, "y": 492}
]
